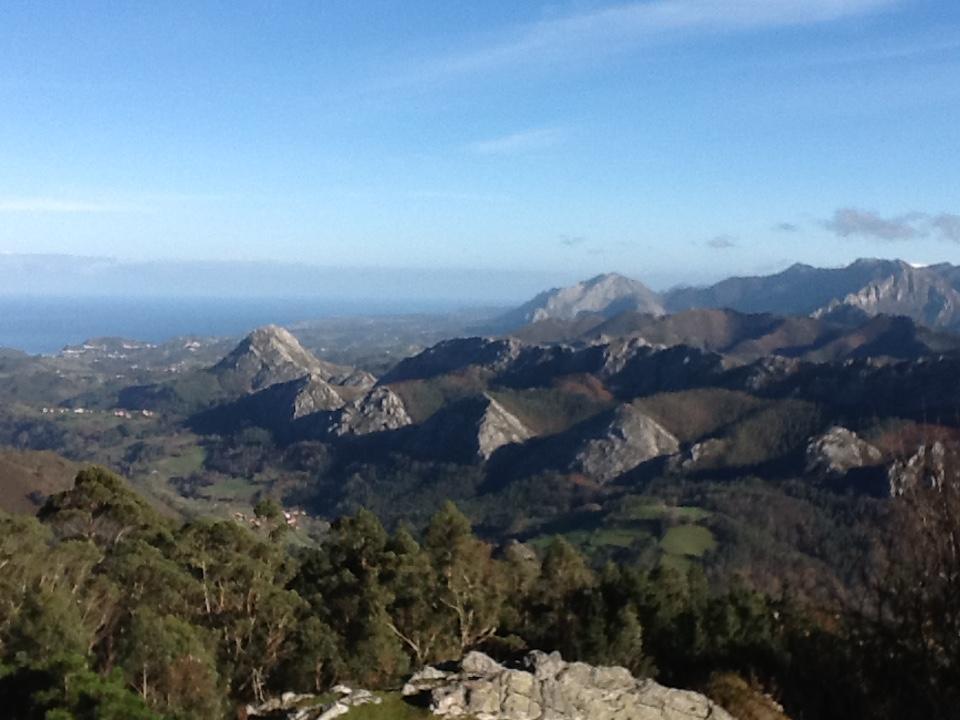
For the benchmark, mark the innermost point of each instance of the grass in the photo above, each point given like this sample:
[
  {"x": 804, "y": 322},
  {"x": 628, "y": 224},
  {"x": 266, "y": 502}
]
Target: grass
[
  {"x": 183, "y": 462},
  {"x": 393, "y": 707},
  {"x": 606, "y": 537},
  {"x": 688, "y": 541},
  {"x": 639, "y": 509}
]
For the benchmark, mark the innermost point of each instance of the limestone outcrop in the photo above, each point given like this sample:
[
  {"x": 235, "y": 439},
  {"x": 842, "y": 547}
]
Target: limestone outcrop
[
  {"x": 544, "y": 687},
  {"x": 378, "y": 411},
  {"x": 470, "y": 430},
  {"x": 927, "y": 467},
  {"x": 838, "y": 451}
]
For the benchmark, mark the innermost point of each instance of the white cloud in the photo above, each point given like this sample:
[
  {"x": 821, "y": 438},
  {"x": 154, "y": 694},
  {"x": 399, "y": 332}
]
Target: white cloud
[
  {"x": 516, "y": 143},
  {"x": 852, "y": 222},
  {"x": 625, "y": 25},
  {"x": 46, "y": 205}
]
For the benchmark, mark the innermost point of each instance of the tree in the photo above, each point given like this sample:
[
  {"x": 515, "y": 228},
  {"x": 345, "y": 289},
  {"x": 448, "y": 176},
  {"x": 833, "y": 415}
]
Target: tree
[
  {"x": 911, "y": 619},
  {"x": 414, "y": 613},
  {"x": 170, "y": 665},
  {"x": 470, "y": 583},
  {"x": 243, "y": 599},
  {"x": 102, "y": 508},
  {"x": 343, "y": 585}
]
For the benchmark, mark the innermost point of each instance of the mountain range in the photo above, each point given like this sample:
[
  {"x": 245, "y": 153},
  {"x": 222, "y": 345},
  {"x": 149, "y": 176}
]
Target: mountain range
[{"x": 929, "y": 295}]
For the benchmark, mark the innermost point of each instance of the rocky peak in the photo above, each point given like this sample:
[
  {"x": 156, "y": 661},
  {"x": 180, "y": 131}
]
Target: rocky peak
[
  {"x": 926, "y": 467},
  {"x": 308, "y": 395},
  {"x": 838, "y": 451},
  {"x": 607, "y": 295},
  {"x": 471, "y": 429},
  {"x": 545, "y": 687},
  {"x": 497, "y": 427},
  {"x": 458, "y": 354},
  {"x": 619, "y": 442},
  {"x": 271, "y": 355},
  {"x": 922, "y": 294},
  {"x": 379, "y": 410},
  {"x": 267, "y": 356}
]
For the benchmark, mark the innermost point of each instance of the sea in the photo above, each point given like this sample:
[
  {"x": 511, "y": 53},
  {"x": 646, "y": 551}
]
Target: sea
[{"x": 45, "y": 325}]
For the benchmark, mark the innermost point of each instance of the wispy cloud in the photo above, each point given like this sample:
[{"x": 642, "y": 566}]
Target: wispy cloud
[
  {"x": 46, "y": 205},
  {"x": 625, "y": 25},
  {"x": 852, "y": 222},
  {"x": 518, "y": 142},
  {"x": 787, "y": 227},
  {"x": 722, "y": 242},
  {"x": 572, "y": 241},
  {"x": 948, "y": 225}
]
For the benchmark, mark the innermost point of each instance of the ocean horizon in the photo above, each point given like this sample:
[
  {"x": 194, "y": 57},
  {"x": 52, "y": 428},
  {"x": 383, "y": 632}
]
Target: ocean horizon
[{"x": 44, "y": 325}]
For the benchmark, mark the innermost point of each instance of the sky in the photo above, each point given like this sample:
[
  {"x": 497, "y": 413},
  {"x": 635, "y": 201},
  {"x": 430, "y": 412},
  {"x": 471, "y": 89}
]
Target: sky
[{"x": 677, "y": 141}]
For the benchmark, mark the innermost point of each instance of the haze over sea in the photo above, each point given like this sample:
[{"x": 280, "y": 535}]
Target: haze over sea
[{"x": 44, "y": 325}]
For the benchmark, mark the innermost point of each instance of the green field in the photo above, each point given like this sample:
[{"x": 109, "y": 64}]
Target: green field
[
  {"x": 688, "y": 541},
  {"x": 393, "y": 707}
]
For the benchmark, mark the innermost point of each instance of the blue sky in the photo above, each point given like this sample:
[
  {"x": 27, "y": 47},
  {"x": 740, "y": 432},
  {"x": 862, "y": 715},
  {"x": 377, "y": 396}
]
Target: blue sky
[{"x": 673, "y": 140}]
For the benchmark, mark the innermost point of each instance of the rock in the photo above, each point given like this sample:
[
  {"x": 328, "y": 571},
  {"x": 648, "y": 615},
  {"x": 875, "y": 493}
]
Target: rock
[
  {"x": 291, "y": 706},
  {"x": 379, "y": 410},
  {"x": 276, "y": 407},
  {"x": 926, "y": 467},
  {"x": 453, "y": 355},
  {"x": 477, "y": 663},
  {"x": 471, "y": 429},
  {"x": 628, "y": 439},
  {"x": 271, "y": 355},
  {"x": 838, "y": 451},
  {"x": 547, "y": 688},
  {"x": 426, "y": 679}
]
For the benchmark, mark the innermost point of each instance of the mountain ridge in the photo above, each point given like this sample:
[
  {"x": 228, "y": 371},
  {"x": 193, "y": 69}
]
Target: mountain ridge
[{"x": 929, "y": 295}]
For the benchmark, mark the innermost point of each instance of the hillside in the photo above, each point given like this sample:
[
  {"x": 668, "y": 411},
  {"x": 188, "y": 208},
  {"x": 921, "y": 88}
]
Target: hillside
[{"x": 28, "y": 478}]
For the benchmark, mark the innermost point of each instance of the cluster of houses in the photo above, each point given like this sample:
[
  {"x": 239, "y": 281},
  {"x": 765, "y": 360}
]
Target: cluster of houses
[
  {"x": 127, "y": 414},
  {"x": 290, "y": 517}
]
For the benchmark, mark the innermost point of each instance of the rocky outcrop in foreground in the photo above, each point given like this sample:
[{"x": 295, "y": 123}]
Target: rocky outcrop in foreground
[
  {"x": 291, "y": 706},
  {"x": 544, "y": 687}
]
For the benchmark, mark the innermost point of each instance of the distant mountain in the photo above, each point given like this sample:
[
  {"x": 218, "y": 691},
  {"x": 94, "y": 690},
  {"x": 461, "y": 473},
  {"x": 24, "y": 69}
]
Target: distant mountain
[
  {"x": 798, "y": 290},
  {"x": 928, "y": 295},
  {"x": 606, "y": 295},
  {"x": 866, "y": 288},
  {"x": 267, "y": 356}
]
